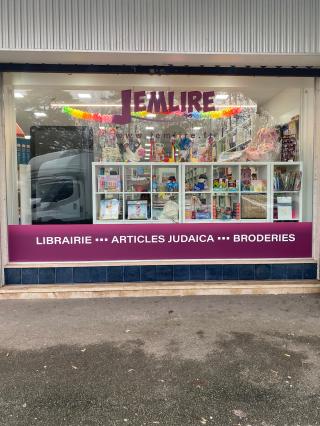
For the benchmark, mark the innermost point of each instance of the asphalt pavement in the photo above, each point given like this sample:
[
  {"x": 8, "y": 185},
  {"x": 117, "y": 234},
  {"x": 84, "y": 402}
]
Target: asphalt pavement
[{"x": 218, "y": 360}]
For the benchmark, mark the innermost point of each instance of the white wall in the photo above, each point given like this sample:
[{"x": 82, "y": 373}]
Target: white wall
[{"x": 285, "y": 105}]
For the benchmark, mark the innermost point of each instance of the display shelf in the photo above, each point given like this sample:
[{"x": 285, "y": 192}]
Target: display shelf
[
  {"x": 165, "y": 192},
  {"x": 137, "y": 192},
  {"x": 254, "y": 192},
  {"x": 142, "y": 186},
  {"x": 213, "y": 204},
  {"x": 286, "y": 191},
  {"x": 108, "y": 192},
  {"x": 226, "y": 192},
  {"x": 197, "y": 192}
]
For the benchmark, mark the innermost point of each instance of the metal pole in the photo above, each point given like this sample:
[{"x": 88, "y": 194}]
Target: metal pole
[{"x": 3, "y": 193}]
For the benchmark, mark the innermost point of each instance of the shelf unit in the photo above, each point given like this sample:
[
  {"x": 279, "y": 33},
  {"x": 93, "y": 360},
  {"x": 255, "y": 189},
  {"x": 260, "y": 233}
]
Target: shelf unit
[
  {"x": 231, "y": 192},
  {"x": 140, "y": 183},
  {"x": 292, "y": 193}
]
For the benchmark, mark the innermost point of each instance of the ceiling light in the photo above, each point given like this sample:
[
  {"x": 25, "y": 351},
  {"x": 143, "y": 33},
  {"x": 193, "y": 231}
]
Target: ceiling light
[
  {"x": 84, "y": 95},
  {"x": 149, "y": 128},
  {"x": 18, "y": 95},
  {"x": 221, "y": 97},
  {"x": 40, "y": 114}
]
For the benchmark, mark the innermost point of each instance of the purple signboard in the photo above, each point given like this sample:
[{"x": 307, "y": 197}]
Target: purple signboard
[{"x": 63, "y": 243}]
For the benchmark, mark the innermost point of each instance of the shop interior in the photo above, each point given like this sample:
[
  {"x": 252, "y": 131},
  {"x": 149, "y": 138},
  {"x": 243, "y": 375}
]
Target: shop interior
[{"x": 248, "y": 162}]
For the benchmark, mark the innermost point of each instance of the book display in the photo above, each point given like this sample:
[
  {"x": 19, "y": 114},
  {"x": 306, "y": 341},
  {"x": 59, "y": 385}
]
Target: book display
[
  {"x": 239, "y": 192},
  {"x": 144, "y": 192},
  {"x": 287, "y": 192}
]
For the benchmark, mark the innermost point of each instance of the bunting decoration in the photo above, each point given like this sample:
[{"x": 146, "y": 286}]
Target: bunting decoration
[{"x": 196, "y": 115}]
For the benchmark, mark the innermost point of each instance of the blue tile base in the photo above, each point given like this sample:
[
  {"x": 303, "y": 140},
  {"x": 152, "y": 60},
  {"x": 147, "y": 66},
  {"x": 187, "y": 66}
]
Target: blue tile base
[{"x": 137, "y": 273}]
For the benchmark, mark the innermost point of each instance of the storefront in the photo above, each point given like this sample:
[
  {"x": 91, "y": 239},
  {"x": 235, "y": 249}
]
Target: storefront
[{"x": 146, "y": 178}]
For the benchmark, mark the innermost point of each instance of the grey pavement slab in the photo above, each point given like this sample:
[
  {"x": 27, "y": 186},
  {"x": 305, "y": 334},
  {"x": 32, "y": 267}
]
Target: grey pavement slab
[{"x": 218, "y": 360}]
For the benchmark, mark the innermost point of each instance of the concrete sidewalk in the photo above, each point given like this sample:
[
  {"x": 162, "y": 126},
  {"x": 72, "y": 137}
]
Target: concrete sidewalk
[{"x": 215, "y": 360}]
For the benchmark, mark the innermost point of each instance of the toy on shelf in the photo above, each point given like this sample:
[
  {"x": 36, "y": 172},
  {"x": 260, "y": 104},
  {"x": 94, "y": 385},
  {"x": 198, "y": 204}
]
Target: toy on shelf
[
  {"x": 172, "y": 185},
  {"x": 224, "y": 181},
  {"x": 199, "y": 209},
  {"x": 170, "y": 211},
  {"x": 246, "y": 179},
  {"x": 220, "y": 184},
  {"x": 202, "y": 183},
  {"x": 206, "y": 149},
  {"x": 154, "y": 183},
  {"x": 224, "y": 207},
  {"x": 210, "y": 145},
  {"x": 159, "y": 152},
  {"x": 184, "y": 145}
]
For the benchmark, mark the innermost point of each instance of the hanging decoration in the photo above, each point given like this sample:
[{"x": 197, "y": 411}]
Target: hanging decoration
[
  {"x": 108, "y": 118},
  {"x": 196, "y": 115},
  {"x": 88, "y": 116}
]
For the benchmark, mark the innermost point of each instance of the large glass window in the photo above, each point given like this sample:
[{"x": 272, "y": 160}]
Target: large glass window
[{"x": 240, "y": 151}]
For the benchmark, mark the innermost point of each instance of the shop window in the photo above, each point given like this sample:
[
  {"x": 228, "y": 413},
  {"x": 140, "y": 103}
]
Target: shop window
[{"x": 241, "y": 157}]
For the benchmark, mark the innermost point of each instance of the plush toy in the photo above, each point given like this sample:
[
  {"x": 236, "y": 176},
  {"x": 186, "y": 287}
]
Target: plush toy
[
  {"x": 172, "y": 185},
  {"x": 201, "y": 185},
  {"x": 184, "y": 147},
  {"x": 170, "y": 211},
  {"x": 184, "y": 143}
]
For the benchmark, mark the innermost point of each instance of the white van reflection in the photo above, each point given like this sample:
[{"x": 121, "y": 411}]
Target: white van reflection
[{"x": 61, "y": 187}]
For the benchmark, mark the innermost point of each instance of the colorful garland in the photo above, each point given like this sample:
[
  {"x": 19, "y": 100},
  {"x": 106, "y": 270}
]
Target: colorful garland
[
  {"x": 89, "y": 116},
  {"x": 213, "y": 115},
  {"x": 108, "y": 118}
]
